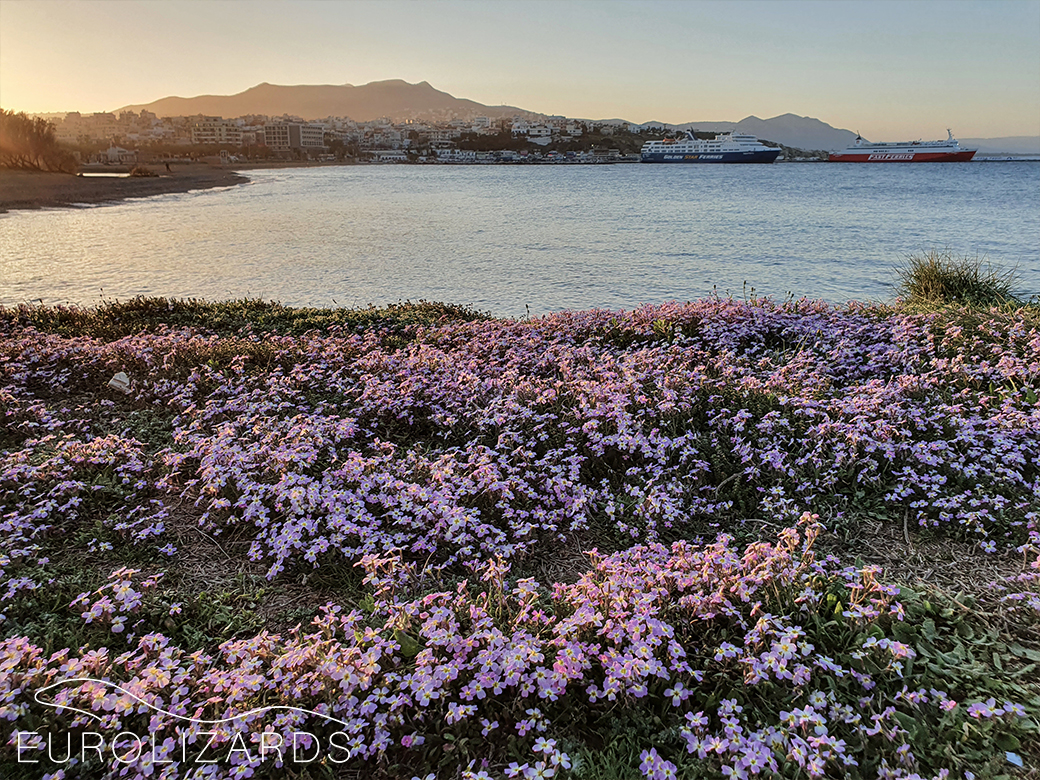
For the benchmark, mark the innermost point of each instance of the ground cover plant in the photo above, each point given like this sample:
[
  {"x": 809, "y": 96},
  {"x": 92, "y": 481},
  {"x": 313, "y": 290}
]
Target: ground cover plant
[{"x": 421, "y": 541}]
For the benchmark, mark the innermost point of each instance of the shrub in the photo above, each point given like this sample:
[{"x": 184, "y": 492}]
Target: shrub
[
  {"x": 30, "y": 144},
  {"x": 937, "y": 277}
]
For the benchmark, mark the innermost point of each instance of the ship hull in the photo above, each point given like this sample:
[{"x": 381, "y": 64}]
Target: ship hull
[
  {"x": 901, "y": 156},
  {"x": 766, "y": 156}
]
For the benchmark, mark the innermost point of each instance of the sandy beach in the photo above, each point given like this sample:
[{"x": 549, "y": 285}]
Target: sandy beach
[{"x": 31, "y": 190}]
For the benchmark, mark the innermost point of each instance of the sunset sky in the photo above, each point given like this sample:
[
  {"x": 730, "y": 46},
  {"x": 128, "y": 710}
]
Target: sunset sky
[{"x": 890, "y": 70}]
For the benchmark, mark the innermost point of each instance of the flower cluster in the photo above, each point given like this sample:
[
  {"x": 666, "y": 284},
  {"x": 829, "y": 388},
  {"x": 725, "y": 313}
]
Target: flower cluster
[
  {"x": 488, "y": 439},
  {"x": 55, "y": 480},
  {"x": 653, "y": 627},
  {"x": 1027, "y": 600},
  {"x": 118, "y": 599},
  {"x": 648, "y": 626}
]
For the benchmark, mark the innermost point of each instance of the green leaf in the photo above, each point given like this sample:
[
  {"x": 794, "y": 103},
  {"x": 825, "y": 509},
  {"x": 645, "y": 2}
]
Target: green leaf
[
  {"x": 1008, "y": 742},
  {"x": 904, "y": 632},
  {"x": 1024, "y": 652},
  {"x": 908, "y": 595},
  {"x": 928, "y": 626},
  {"x": 966, "y": 599},
  {"x": 908, "y": 722},
  {"x": 409, "y": 646}
]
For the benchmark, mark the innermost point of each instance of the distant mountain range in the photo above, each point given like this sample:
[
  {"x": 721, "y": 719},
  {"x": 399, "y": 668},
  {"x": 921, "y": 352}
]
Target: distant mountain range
[
  {"x": 398, "y": 100},
  {"x": 1012, "y": 144},
  {"x": 801, "y": 132}
]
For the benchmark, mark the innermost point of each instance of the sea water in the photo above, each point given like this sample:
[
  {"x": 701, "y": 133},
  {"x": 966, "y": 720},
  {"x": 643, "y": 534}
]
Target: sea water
[{"x": 519, "y": 239}]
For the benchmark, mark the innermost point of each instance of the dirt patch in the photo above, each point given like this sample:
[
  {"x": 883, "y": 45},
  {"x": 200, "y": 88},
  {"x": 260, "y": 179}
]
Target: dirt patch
[
  {"x": 214, "y": 563},
  {"x": 923, "y": 561}
]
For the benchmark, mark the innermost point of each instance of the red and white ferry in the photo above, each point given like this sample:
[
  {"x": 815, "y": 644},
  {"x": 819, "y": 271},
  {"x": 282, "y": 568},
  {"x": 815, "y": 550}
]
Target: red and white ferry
[{"x": 910, "y": 151}]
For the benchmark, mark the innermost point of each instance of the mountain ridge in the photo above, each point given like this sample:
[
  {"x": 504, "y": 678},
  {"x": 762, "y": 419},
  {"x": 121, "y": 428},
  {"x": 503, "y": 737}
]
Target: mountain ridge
[
  {"x": 394, "y": 99},
  {"x": 1010, "y": 144}
]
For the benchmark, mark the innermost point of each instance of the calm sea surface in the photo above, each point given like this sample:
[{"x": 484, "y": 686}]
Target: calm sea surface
[{"x": 505, "y": 238}]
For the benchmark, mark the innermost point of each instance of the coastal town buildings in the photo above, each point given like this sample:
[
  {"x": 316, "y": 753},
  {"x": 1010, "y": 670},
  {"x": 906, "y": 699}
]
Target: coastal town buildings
[{"x": 451, "y": 139}]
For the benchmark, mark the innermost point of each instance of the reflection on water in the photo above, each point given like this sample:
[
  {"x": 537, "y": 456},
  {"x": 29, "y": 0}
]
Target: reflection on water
[{"x": 507, "y": 237}]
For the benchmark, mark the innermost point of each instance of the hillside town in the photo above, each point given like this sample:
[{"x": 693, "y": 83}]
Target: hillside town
[{"x": 131, "y": 137}]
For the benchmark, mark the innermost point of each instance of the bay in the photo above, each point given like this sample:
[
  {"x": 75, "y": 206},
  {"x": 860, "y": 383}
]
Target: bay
[{"x": 521, "y": 239}]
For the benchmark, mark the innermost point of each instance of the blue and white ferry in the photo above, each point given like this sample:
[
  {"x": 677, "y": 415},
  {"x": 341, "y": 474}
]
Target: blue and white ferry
[{"x": 724, "y": 148}]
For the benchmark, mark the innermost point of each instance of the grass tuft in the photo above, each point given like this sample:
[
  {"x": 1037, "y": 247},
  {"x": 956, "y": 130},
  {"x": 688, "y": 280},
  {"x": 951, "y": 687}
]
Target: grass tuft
[{"x": 939, "y": 278}]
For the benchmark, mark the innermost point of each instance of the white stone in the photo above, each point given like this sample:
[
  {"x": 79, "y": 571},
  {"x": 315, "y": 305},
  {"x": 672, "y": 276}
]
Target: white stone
[{"x": 120, "y": 382}]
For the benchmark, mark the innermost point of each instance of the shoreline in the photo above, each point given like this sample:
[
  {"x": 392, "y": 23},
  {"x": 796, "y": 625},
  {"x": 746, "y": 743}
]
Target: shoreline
[{"x": 31, "y": 190}]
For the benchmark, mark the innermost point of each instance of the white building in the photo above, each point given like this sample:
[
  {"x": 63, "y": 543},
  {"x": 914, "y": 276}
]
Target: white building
[
  {"x": 286, "y": 136},
  {"x": 214, "y": 130},
  {"x": 456, "y": 155},
  {"x": 116, "y": 154},
  {"x": 533, "y": 131},
  {"x": 276, "y": 137},
  {"x": 441, "y": 135}
]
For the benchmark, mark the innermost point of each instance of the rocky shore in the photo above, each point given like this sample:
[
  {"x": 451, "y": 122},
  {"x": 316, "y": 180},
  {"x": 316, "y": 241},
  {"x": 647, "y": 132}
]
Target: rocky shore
[{"x": 31, "y": 190}]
